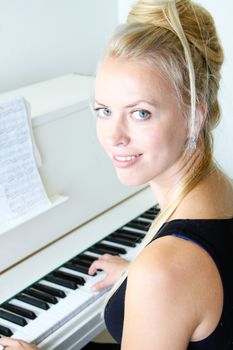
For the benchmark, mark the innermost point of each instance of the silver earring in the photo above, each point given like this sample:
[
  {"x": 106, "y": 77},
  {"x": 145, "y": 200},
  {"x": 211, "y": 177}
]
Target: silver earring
[{"x": 192, "y": 143}]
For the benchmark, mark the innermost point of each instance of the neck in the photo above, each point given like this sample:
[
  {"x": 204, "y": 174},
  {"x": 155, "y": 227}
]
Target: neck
[{"x": 171, "y": 180}]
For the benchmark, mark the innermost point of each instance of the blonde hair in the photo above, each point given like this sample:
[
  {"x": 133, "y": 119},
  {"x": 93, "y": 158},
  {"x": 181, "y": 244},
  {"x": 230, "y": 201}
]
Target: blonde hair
[{"x": 179, "y": 38}]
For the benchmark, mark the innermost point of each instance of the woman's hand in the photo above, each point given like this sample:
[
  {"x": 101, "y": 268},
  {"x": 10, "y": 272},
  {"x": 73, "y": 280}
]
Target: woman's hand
[
  {"x": 112, "y": 265},
  {"x": 16, "y": 344}
]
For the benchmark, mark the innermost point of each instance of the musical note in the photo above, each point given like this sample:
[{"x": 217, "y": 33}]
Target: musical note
[{"x": 22, "y": 193}]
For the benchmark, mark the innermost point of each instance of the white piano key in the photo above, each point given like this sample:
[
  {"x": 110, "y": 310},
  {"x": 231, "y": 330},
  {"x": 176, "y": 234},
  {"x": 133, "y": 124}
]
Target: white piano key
[
  {"x": 69, "y": 313},
  {"x": 131, "y": 252},
  {"x": 91, "y": 280},
  {"x": 13, "y": 327},
  {"x": 76, "y": 300},
  {"x": 50, "y": 320},
  {"x": 132, "y": 229},
  {"x": 114, "y": 244},
  {"x": 88, "y": 252},
  {"x": 73, "y": 272},
  {"x": 33, "y": 308},
  {"x": 54, "y": 285}
]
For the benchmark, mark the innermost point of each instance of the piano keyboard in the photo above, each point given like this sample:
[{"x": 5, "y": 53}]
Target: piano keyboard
[{"x": 46, "y": 305}]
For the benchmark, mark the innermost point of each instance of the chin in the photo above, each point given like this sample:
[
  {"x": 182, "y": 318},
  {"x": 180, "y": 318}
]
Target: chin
[{"x": 131, "y": 181}]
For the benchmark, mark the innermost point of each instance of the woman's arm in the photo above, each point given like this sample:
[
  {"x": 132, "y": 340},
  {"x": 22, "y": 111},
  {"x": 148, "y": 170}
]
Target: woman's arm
[{"x": 160, "y": 313}]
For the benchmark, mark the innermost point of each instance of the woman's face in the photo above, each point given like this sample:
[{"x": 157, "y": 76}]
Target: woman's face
[{"x": 139, "y": 122}]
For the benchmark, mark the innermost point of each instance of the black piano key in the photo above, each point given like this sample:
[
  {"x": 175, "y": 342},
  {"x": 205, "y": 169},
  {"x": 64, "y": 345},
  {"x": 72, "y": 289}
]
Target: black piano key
[
  {"x": 32, "y": 301},
  {"x": 50, "y": 290},
  {"x": 61, "y": 282},
  {"x": 13, "y": 318},
  {"x": 81, "y": 262},
  {"x": 118, "y": 250},
  {"x": 41, "y": 295},
  {"x": 102, "y": 251},
  {"x": 107, "y": 248},
  {"x": 130, "y": 238},
  {"x": 128, "y": 233},
  {"x": 85, "y": 257},
  {"x": 70, "y": 277},
  {"x": 146, "y": 224},
  {"x": 76, "y": 267},
  {"x": 153, "y": 211},
  {"x": 148, "y": 216},
  {"x": 137, "y": 226},
  {"x": 5, "y": 331},
  {"x": 123, "y": 241},
  {"x": 19, "y": 310}
]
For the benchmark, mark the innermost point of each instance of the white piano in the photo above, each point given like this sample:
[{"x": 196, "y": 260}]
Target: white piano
[{"x": 45, "y": 292}]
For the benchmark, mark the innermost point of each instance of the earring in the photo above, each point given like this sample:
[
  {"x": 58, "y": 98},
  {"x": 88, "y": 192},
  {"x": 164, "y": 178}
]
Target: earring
[{"x": 192, "y": 143}]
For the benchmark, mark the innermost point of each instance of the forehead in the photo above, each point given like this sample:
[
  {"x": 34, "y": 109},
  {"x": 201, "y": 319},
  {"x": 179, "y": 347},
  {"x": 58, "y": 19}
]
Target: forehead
[{"x": 122, "y": 79}]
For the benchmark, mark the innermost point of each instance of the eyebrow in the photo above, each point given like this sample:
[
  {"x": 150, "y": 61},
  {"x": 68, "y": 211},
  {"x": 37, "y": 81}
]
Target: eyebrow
[{"x": 132, "y": 104}]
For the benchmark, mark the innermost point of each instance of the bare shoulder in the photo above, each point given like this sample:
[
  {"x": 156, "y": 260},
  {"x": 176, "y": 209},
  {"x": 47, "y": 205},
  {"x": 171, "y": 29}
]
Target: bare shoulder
[
  {"x": 182, "y": 268},
  {"x": 173, "y": 260},
  {"x": 169, "y": 263},
  {"x": 167, "y": 285}
]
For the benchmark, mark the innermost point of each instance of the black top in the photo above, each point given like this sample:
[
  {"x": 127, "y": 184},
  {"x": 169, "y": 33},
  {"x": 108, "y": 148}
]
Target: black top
[{"x": 216, "y": 237}]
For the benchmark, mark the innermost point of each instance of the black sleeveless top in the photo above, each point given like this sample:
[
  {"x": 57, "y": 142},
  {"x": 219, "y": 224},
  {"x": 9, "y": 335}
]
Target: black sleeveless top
[{"x": 216, "y": 237}]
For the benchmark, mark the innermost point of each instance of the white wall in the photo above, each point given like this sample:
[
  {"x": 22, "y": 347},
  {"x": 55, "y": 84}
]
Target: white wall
[
  {"x": 222, "y": 13},
  {"x": 42, "y": 39}
]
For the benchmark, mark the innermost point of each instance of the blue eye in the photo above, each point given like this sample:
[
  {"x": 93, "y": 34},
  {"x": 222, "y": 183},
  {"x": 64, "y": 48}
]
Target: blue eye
[
  {"x": 141, "y": 114},
  {"x": 102, "y": 112}
]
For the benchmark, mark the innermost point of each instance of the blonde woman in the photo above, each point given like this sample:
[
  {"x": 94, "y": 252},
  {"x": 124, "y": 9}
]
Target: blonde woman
[{"x": 156, "y": 104}]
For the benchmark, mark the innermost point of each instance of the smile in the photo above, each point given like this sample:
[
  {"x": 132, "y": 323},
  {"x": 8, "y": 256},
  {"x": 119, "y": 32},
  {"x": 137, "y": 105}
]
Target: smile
[
  {"x": 126, "y": 161},
  {"x": 126, "y": 158}
]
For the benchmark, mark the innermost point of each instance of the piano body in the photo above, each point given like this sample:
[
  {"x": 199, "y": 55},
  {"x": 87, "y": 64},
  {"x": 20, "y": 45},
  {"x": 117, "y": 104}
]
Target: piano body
[{"x": 49, "y": 253}]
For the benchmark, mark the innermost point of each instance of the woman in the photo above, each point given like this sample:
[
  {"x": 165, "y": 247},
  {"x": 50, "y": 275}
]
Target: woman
[{"x": 156, "y": 105}]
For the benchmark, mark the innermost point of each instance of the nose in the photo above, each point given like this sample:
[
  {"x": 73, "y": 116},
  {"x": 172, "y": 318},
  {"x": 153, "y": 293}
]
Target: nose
[{"x": 117, "y": 133}]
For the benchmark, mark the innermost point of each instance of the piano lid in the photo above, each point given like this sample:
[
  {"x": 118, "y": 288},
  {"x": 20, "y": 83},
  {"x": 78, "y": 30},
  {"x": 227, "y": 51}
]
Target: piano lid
[{"x": 76, "y": 173}]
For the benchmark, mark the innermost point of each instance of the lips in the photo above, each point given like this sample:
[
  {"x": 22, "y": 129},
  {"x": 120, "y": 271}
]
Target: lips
[
  {"x": 126, "y": 158},
  {"x": 125, "y": 161}
]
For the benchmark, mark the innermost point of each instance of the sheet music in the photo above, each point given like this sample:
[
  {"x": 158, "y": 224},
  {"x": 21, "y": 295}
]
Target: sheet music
[{"x": 22, "y": 193}]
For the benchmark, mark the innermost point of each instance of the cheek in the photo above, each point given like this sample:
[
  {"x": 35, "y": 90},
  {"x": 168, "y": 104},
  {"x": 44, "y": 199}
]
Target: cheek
[
  {"x": 164, "y": 141},
  {"x": 174, "y": 131},
  {"x": 150, "y": 139},
  {"x": 178, "y": 137}
]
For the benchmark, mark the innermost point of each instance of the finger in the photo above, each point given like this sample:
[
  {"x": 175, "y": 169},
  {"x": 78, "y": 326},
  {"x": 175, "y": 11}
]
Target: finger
[
  {"x": 5, "y": 341},
  {"x": 105, "y": 256},
  {"x": 11, "y": 343},
  {"x": 97, "y": 264},
  {"x": 100, "y": 285},
  {"x": 16, "y": 344}
]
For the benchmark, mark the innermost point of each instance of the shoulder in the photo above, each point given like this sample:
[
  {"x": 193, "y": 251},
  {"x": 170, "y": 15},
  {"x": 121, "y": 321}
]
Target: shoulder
[
  {"x": 166, "y": 266},
  {"x": 177, "y": 265},
  {"x": 174, "y": 280},
  {"x": 166, "y": 262},
  {"x": 159, "y": 296}
]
